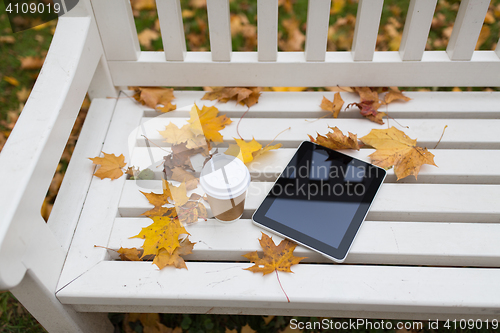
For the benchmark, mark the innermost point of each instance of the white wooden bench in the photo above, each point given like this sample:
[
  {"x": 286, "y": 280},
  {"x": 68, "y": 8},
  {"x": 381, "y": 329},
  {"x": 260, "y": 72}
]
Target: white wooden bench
[{"x": 428, "y": 249}]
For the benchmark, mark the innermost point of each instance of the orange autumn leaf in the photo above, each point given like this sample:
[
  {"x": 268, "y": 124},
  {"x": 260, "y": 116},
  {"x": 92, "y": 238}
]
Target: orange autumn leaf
[
  {"x": 129, "y": 254},
  {"x": 111, "y": 166},
  {"x": 156, "y": 98},
  {"x": 31, "y": 62},
  {"x": 207, "y": 122},
  {"x": 334, "y": 106},
  {"x": 191, "y": 212},
  {"x": 395, "y": 148},
  {"x": 369, "y": 104},
  {"x": 394, "y": 94},
  {"x": 246, "y": 96},
  {"x": 164, "y": 233},
  {"x": 275, "y": 258},
  {"x": 158, "y": 199},
  {"x": 337, "y": 140},
  {"x": 164, "y": 258}
]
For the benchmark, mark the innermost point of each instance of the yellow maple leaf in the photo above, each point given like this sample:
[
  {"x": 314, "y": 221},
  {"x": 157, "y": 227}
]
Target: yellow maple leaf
[
  {"x": 395, "y": 148},
  {"x": 246, "y": 96},
  {"x": 175, "y": 135},
  {"x": 245, "y": 149},
  {"x": 267, "y": 148},
  {"x": 279, "y": 258},
  {"x": 334, "y": 106},
  {"x": 207, "y": 122},
  {"x": 164, "y": 258},
  {"x": 164, "y": 233},
  {"x": 111, "y": 166},
  {"x": 337, "y": 140},
  {"x": 179, "y": 195}
]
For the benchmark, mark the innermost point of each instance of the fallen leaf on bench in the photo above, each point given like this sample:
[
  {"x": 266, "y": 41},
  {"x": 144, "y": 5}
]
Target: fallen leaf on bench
[
  {"x": 111, "y": 166},
  {"x": 207, "y": 122},
  {"x": 156, "y": 98},
  {"x": 394, "y": 94},
  {"x": 129, "y": 254},
  {"x": 279, "y": 258},
  {"x": 369, "y": 105},
  {"x": 164, "y": 233},
  {"x": 244, "y": 96},
  {"x": 248, "y": 151},
  {"x": 158, "y": 199},
  {"x": 175, "y": 135},
  {"x": 395, "y": 148},
  {"x": 164, "y": 258},
  {"x": 337, "y": 140},
  {"x": 332, "y": 106},
  {"x": 178, "y": 194},
  {"x": 181, "y": 175},
  {"x": 191, "y": 212}
]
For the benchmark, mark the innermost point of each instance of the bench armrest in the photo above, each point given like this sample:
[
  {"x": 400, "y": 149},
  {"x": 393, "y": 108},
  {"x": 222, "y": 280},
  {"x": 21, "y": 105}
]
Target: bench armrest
[{"x": 33, "y": 150}]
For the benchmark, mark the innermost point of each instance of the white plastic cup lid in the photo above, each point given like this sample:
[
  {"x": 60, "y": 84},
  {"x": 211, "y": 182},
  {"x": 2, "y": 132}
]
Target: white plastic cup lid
[{"x": 224, "y": 177}]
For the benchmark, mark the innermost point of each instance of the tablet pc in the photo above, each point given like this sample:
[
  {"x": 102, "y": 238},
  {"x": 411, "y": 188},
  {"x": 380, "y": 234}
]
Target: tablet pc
[{"x": 321, "y": 199}]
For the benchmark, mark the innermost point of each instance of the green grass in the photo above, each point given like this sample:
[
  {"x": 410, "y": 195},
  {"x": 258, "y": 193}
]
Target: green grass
[{"x": 14, "y": 318}]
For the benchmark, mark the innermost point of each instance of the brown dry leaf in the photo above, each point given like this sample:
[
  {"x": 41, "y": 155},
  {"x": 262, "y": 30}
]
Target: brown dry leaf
[
  {"x": 156, "y": 98},
  {"x": 334, "y": 106},
  {"x": 369, "y": 104},
  {"x": 278, "y": 258},
  {"x": 395, "y": 148},
  {"x": 147, "y": 36},
  {"x": 31, "y": 62},
  {"x": 164, "y": 258},
  {"x": 295, "y": 37},
  {"x": 7, "y": 39},
  {"x": 131, "y": 254},
  {"x": 198, "y": 3},
  {"x": 246, "y": 96},
  {"x": 111, "y": 166},
  {"x": 164, "y": 233},
  {"x": 394, "y": 94},
  {"x": 337, "y": 140},
  {"x": 207, "y": 122},
  {"x": 23, "y": 94},
  {"x": 191, "y": 212},
  {"x": 483, "y": 36},
  {"x": 143, "y": 4},
  {"x": 181, "y": 175}
]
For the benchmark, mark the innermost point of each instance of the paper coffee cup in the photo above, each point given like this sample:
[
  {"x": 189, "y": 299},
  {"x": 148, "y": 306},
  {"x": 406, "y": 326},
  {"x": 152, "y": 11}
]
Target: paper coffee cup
[{"x": 225, "y": 180}]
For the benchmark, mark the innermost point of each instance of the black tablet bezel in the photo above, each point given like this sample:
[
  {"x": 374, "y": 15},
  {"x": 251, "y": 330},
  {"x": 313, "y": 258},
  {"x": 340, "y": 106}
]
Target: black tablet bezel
[{"x": 336, "y": 254}]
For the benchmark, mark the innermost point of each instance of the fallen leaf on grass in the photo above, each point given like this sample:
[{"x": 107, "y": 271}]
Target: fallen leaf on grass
[
  {"x": 337, "y": 140},
  {"x": 147, "y": 36},
  {"x": 11, "y": 80},
  {"x": 334, "y": 106},
  {"x": 279, "y": 258},
  {"x": 156, "y": 98},
  {"x": 31, "y": 62},
  {"x": 111, "y": 166},
  {"x": 395, "y": 148}
]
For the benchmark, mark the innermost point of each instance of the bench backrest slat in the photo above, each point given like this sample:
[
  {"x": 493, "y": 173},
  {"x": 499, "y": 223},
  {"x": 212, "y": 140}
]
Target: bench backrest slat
[
  {"x": 172, "y": 29},
  {"x": 318, "y": 16},
  {"x": 366, "y": 29},
  {"x": 117, "y": 29},
  {"x": 267, "y": 29},
  {"x": 466, "y": 30},
  {"x": 219, "y": 28},
  {"x": 416, "y": 30}
]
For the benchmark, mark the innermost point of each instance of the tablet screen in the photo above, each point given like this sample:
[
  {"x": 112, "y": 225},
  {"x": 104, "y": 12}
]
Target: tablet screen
[{"x": 320, "y": 199}]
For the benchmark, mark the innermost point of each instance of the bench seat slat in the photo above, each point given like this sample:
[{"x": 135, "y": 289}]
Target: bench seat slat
[
  {"x": 416, "y": 290},
  {"x": 454, "y": 165},
  {"x": 460, "y": 134},
  {"x": 394, "y": 202},
  {"x": 378, "y": 242}
]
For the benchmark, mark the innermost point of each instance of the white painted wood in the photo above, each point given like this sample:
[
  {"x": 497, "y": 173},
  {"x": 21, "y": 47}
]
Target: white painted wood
[
  {"x": 102, "y": 85},
  {"x": 463, "y": 39},
  {"x": 416, "y": 30},
  {"x": 73, "y": 191},
  {"x": 220, "y": 30},
  {"x": 96, "y": 219},
  {"x": 117, "y": 29},
  {"x": 366, "y": 29},
  {"x": 378, "y": 242},
  {"x": 438, "y": 104},
  {"x": 394, "y": 202},
  {"x": 291, "y": 69},
  {"x": 48, "y": 116},
  {"x": 318, "y": 18},
  {"x": 456, "y": 166},
  {"x": 267, "y": 33},
  {"x": 411, "y": 290},
  {"x": 172, "y": 29},
  {"x": 427, "y": 131}
]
